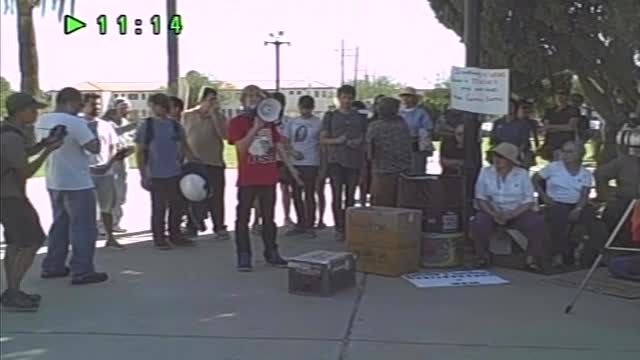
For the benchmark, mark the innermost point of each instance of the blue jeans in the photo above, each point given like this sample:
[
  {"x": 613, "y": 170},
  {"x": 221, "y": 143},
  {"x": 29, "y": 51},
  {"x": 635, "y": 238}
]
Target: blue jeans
[{"x": 74, "y": 221}]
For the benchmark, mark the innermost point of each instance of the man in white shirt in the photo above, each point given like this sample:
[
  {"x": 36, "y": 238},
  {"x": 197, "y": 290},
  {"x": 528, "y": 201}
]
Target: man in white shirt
[
  {"x": 101, "y": 164},
  {"x": 504, "y": 195},
  {"x": 72, "y": 193}
]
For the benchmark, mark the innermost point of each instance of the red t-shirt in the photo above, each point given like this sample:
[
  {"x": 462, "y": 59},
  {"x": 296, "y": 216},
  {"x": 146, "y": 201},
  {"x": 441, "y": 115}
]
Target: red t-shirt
[{"x": 258, "y": 165}]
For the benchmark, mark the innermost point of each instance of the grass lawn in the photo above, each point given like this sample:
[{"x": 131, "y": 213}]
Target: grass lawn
[
  {"x": 229, "y": 159},
  {"x": 230, "y": 156}
]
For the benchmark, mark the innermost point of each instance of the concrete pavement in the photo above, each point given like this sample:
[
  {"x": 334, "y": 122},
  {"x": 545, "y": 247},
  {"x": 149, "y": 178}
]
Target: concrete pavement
[{"x": 192, "y": 304}]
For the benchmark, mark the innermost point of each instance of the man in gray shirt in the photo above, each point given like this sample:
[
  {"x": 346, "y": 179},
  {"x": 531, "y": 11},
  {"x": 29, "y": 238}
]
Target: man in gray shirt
[{"x": 343, "y": 133}]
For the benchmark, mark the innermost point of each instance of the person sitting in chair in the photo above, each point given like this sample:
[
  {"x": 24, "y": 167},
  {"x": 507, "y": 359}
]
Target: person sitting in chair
[
  {"x": 504, "y": 196},
  {"x": 567, "y": 198}
]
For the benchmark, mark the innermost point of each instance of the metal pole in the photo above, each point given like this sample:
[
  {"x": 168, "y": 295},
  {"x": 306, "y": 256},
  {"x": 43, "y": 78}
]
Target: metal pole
[
  {"x": 172, "y": 50},
  {"x": 277, "y": 44},
  {"x": 355, "y": 70},
  {"x": 342, "y": 63},
  {"x": 472, "y": 149}
]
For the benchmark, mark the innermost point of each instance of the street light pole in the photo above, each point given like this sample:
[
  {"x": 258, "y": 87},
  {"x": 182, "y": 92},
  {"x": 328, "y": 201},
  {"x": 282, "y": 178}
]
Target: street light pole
[{"x": 277, "y": 42}]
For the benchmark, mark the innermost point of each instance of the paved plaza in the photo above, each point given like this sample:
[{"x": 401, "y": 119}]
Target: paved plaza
[{"x": 191, "y": 304}]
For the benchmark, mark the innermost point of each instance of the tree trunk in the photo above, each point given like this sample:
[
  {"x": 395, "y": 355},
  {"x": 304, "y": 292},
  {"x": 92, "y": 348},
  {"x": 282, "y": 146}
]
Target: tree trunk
[
  {"x": 29, "y": 81},
  {"x": 172, "y": 51}
]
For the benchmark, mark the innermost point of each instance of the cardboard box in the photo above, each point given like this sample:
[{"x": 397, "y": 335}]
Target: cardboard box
[
  {"x": 385, "y": 228},
  {"x": 321, "y": 273},
  {"x": 389, "y": 262}
]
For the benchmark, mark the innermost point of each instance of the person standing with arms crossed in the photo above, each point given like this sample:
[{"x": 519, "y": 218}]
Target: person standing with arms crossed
[{"x": 343, "y": 133}]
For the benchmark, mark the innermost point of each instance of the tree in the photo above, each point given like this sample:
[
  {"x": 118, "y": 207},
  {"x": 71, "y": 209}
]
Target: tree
[
  {"x": 197, "y": 81},
  {"x": 5, "y": 91},
  {"x": 28, "y": 52},
  {"x": 373, "y": 86},
  {"x": 553, "y": 40},
  {"x": 437, "y": 99}
]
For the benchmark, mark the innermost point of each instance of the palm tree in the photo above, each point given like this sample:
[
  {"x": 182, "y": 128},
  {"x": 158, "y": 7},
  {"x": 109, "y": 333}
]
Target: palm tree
[
  {"x": 172, "y": 51},
  {"x": 28, "y": 52}
]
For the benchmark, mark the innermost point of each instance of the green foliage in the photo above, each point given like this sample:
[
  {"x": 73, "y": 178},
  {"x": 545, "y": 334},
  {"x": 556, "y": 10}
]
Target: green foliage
[
  {"x": 371, "y": 87},
  {"x": 554, "y": 39},
  {"x": 5, "y": 91},
  {"x": 197, "y": 81}
]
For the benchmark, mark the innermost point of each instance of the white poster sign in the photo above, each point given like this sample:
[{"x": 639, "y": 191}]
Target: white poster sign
[{"x": 483, "y": 91}]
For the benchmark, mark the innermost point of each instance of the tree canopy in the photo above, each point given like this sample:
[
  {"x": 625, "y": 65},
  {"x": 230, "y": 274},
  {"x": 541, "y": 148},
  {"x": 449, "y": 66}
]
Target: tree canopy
[
  {"x": 546, "y": 42},
  {"x": 373, "y": 86},
  {"x": 5, "y": 91}
]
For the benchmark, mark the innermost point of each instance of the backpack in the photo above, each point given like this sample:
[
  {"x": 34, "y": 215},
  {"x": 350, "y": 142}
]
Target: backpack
[{"x": 148, "y": 126}]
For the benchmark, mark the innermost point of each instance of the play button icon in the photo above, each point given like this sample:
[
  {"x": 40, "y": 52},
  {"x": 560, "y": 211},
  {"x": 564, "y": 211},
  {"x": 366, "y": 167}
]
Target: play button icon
[{"x": 72, "y": 24}]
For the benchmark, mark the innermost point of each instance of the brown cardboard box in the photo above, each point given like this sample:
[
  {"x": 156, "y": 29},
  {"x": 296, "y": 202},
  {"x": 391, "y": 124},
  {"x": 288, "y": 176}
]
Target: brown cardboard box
[
  {"x": 385, "y": 228},
  {"x": 390, "y": 262}
]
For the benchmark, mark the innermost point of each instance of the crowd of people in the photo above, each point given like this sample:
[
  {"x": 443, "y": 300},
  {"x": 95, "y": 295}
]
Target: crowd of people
[{"x": 354, "y": 149}]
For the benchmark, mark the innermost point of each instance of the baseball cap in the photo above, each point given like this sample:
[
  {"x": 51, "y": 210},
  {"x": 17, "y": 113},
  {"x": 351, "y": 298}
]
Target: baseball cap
[{"x": 22, "y": 101}]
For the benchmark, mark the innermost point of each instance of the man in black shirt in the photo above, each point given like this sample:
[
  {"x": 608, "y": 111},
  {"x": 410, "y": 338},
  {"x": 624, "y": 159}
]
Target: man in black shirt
[{"x": 560, "y": 125}]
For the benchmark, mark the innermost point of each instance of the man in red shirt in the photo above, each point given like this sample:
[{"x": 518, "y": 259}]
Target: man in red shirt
[{"x": 257, "y": 144}]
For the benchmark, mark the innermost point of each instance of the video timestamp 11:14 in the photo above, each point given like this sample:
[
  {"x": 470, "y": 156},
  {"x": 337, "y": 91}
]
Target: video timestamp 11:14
[{"x": 174, "y": 24}]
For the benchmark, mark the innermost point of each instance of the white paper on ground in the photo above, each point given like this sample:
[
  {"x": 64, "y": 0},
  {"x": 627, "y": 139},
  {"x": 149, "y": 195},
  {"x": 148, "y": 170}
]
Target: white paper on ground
[{"x": 454, "y": 279}]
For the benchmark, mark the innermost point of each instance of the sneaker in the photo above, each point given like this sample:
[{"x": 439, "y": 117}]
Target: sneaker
[
  {"x": 162, "y": 245},
  {"x": 93, "y": 278},
  {"x": 289, "y": 223},
  {"x": 119, "y": 230},
  {"x": 55, "y": 274},
  {"x": 274, "y": 259},
  {"x": 183, "y": 242},
  {"x": 244, "y": 263},
  {"x": 32, "y": 297},
  {"x": 18, "y": 303},
  {"x": 114, "y": 244},
  {"x": 321, "y": 226},
  {"x": 222, "y": 235}
]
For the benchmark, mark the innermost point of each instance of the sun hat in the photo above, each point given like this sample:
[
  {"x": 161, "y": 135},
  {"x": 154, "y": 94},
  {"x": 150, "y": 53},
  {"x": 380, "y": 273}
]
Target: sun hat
[
  {"x": 507, "y": 151},
  {"x": 409, "y": 91}
]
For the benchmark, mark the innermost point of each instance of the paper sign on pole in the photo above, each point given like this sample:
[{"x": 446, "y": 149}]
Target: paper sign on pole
[{"x": 483, "y": 91}]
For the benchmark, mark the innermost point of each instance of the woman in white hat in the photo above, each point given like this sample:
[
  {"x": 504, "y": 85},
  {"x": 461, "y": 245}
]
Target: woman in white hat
[{"x": 504, "y": 196}]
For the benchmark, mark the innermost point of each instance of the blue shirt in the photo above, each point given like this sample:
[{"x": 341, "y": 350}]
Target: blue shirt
[
  {"x": 164, "y": 155},
  {"x": 417, "y": 118}
]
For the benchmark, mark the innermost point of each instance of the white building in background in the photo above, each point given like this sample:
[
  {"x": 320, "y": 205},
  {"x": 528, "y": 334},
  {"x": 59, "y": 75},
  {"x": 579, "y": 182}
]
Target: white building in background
[
  {"x": 323, "y": 94},
  {"x": 138, "y": 92}
]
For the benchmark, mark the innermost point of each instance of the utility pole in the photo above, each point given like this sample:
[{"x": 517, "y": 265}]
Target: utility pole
[
  {"x": 172, "y": 52},
  {"x": 277, "y": 42},
  {"x": 355, "y": 70},
  {"x": 344, "y": 54},
  {"x": 472, "y": 149}
]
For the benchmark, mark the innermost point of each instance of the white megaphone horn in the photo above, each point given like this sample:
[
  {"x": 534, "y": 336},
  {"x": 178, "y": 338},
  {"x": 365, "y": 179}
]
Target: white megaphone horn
[{"x": 269, "y": 110}]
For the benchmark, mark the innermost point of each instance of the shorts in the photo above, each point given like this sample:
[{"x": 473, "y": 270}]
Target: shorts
[
  {"x": 105, "y": 193},
  {"x": 21, "y": 223}
]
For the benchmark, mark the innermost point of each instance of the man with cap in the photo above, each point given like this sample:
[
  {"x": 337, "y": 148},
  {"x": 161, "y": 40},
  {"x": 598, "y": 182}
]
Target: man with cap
[
  {"x": 504, "y": 196},
  {"x": 420, "y": 128},
  {"x": 22, "y": 230}
]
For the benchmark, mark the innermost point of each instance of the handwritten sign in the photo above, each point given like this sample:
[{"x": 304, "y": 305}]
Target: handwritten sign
[{"x": 483, "y": 91}]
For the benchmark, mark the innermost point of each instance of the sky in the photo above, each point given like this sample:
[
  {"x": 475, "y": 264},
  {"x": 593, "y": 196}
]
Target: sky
[{"x": 226, "y": 40}]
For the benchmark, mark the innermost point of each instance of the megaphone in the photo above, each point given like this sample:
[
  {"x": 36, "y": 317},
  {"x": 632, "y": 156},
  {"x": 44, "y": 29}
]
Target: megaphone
[{"x": 269, "y": 110}]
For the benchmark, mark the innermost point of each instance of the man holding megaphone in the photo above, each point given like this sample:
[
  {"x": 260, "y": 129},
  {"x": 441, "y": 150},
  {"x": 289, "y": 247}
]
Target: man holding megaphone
[{"x": 257, "y": 142}]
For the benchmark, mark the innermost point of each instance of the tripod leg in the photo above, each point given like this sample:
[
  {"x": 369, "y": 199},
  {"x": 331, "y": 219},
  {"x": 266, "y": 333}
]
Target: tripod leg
[{"x": 596, "y": 263}]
